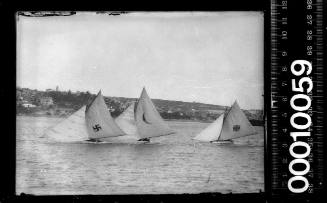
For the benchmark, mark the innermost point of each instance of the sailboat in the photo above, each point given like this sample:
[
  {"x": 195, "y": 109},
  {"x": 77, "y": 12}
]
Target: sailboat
[
  {"x": 99, "y": 122},
  {"x": 126, "y": 120},
  {"x": 148, "y": 120},
  {"x": 227, "y": 127},
  {"x": 70, "y": 129}
]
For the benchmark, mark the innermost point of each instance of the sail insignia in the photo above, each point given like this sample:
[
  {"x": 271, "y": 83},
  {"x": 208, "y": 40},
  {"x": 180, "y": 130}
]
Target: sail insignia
[
  {"x": 96, "y": 128},
  {"x": 145, "y": 119},
  {"x": 236, "y": 127}
]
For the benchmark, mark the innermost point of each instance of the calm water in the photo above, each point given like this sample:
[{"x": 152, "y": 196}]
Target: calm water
[{"x": 169, "y": 164}]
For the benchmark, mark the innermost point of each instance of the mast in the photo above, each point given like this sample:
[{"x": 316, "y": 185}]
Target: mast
[{"x": 225, "y": 116}]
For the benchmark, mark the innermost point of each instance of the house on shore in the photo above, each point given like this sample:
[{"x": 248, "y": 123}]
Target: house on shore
[
  {"x": 45, "y": 101},
  {"x": 28, "y": 105}
]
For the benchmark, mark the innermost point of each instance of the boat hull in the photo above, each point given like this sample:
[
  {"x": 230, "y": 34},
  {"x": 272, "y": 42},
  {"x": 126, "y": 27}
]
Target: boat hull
[
  {"x": 144, "y": 140},
  {"x": 222, "y": 142},
  {"x": 93, "y": 140}
]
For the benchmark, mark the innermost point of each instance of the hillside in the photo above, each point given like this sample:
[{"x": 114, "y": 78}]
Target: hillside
[{"x": 62, "y": 103}]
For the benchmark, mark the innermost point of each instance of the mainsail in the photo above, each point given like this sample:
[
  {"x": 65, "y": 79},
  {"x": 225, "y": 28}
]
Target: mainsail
[
  {"x": 148, "y": 120},
  {"x": 212, "y": 132},
  {"x": 126, "y": 120},
  {"x": 70, "y": 129},
  {"x": 236, "y": 124},
  {"x": 99, "y": 122},
  {"x": 233, "y": 125}
]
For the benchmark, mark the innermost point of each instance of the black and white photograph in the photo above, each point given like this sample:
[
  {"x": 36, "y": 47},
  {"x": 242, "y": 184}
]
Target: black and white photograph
[{"x": 140, "y": 103}]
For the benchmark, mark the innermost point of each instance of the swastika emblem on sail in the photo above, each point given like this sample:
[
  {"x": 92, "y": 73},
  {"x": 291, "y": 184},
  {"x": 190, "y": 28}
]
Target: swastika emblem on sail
[
  {"x": 96, "y": 128},
  {"x": 236, "y": 127}
]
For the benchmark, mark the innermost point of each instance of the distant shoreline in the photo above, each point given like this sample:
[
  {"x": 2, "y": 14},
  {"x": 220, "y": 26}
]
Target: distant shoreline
[
  {"x": 66, "y": 116},
  {"x": 43, "y": 115}
]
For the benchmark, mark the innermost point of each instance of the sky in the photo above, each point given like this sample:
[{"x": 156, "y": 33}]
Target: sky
[{"x": 207, "y": 57}]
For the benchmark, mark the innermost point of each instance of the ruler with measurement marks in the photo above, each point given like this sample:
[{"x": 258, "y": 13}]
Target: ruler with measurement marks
[{"x": 295, "y": 120}]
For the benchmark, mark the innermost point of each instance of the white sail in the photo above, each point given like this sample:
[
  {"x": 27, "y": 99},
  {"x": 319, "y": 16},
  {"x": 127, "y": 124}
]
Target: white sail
[
  {"x": 126, "y": 120},
  {"x": 99, "y": 122},
  {"x": 236, "y": 124},
  {"x": 70, "y": 129},
  {"x": 148, "y": 120},
  {"x": 212, "y": 132}
]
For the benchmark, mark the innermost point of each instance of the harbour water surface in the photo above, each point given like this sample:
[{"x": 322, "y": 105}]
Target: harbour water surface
[{"x": 168, "y": 164}]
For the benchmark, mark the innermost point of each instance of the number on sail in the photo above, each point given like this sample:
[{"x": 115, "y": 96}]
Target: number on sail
[{"x": 236, "y": 127}]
